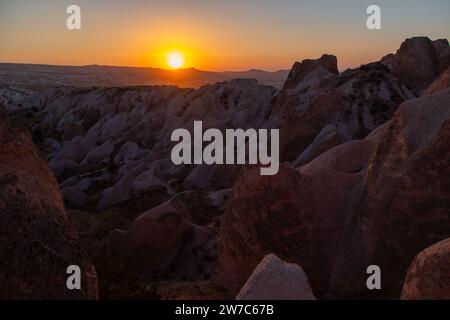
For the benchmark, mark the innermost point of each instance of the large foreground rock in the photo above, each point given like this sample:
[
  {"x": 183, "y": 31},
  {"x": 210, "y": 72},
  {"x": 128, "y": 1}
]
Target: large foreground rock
[
  {"x": 37, "y": 243},
  {"x": 428, "y": 276},
  {"x": 274, "y": 279},
  {"x": 379, "y": 201}
]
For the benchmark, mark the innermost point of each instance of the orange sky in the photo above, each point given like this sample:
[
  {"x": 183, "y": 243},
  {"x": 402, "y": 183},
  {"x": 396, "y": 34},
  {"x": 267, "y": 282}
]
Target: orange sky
[{"x": 213, "y": 35}]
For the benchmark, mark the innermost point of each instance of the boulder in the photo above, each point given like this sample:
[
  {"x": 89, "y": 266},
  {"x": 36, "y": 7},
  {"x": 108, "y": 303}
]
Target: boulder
[
  {"x": 128, "y": 151},
  {"x": 274, "y": 279},
  {"x": 164, "y": 241},
  {"x": 428, "y": 276},
  {"x": 153, "y": 239},
  {"x": 99, "y": 153}
]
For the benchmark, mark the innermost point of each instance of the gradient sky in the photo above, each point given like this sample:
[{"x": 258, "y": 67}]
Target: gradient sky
[{"x": 215, "y": 35}]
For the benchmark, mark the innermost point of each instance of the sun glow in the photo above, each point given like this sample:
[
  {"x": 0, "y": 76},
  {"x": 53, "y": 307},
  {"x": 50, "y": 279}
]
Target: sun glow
[{"x": 175, "y": 60}]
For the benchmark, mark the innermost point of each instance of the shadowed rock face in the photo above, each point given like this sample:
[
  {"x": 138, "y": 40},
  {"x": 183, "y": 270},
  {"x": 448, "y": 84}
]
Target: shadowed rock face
[
  {"x": 419, "y": 61},
  {"x": 428, "y": 275},
  {"x": 298, "y": 215},
  {"x": 374, "y": 201},
  {"x": 355, "y": 102},
  {"x": 37, "y": 243},
  {"x": 440, "y": 83},
  {"x": 300, "y": 70},
  {"x": 403, "y": 206}
]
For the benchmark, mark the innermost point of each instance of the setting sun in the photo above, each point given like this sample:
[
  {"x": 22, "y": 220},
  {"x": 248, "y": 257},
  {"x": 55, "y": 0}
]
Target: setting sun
[{"x": 175, "y": 60}]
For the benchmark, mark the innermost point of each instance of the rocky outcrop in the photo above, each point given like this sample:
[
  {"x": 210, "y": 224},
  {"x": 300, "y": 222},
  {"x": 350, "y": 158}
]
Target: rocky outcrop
[
  {"x": 440, "y": 83},
  {"x": 403, "y": 206},
  {"x": 274, "y": 279},
  {"x": 298, "y": 214},
  {"x": 303, "y": 71},
  {"x": 372, "y": 201},
  {"x": 419, "y": 61},
  {"x": 37, "y": 242},
  {"x": 428, "y": 276},
  {"x": 355, "y": 102}
]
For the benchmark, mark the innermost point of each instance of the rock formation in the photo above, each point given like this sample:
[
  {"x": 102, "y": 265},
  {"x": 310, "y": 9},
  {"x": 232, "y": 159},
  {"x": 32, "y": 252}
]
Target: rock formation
[
  {"x": 164, "y": 241},
  {"x": 373, "y": 201},
  {"x": 428, "y": 276},
  {"x": 440, "y": 83},
  {"x": 419, "y": 61},
  {"x": 37, "y": 242},
  {"x": 274, "y": 279}
]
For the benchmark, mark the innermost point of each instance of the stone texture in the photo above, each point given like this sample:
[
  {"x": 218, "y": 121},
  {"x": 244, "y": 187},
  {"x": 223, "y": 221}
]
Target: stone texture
[
  {"x": 419, "y": 61},
  {"x": 274, "y": 279},
  {"x": 300, "y": 70},
  {"x": 164, "y": 241},
  {"x": 428, "y": 276},
  {"x": 440, "y": 83},
  {"x": 374, "y": 201},
  {"x": 325, "y": 140},
  {"x": 37, "y": 242}
]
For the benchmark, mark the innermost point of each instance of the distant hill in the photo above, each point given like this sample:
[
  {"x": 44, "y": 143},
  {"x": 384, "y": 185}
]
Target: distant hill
[{"x": 37, "y": 76}]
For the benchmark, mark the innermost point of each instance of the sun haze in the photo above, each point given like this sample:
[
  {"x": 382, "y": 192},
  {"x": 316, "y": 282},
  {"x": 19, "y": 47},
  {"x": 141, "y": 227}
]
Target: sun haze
[{"x": 175, "y": 60}]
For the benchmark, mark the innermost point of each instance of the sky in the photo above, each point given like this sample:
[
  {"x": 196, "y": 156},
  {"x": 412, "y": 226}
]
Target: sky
[{"x": 212, "y": 34}]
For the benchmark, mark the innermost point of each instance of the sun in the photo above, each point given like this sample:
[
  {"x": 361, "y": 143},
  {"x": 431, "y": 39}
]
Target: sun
[{"x": 175, "y": 60}]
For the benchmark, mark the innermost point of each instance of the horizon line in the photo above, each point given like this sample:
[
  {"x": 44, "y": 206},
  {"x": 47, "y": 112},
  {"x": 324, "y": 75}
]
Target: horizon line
[{"x": 146, "y": 67}]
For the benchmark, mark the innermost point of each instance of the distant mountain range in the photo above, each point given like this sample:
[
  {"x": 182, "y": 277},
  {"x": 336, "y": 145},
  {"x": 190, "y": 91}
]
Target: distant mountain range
[{"x": 37, "y": 76}]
